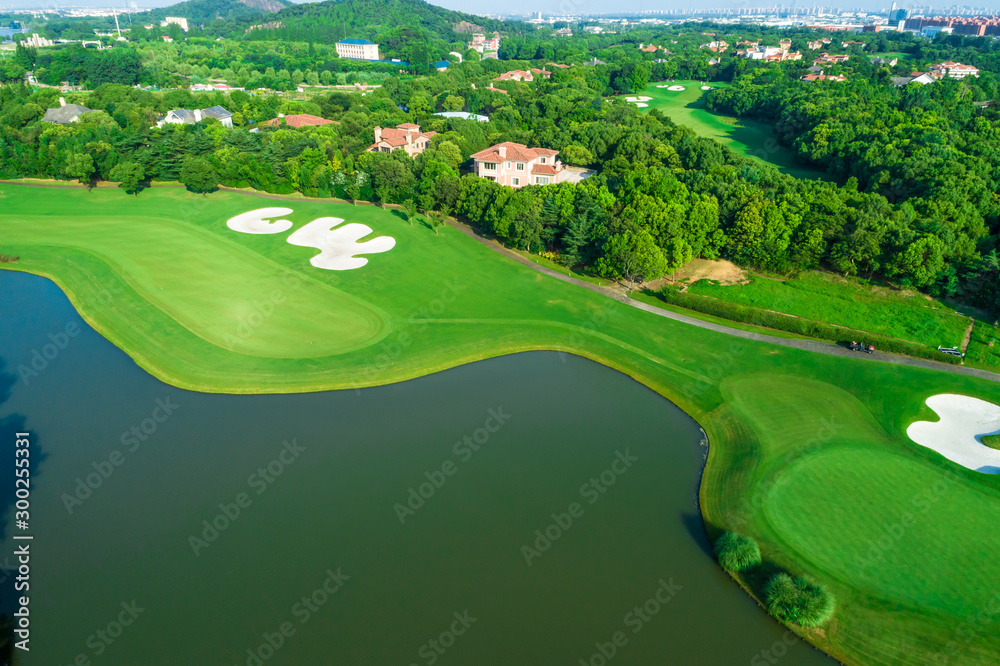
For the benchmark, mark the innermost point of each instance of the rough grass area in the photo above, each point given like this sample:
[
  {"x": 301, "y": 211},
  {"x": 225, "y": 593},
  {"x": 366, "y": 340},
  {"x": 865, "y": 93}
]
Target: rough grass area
[
  {"x": 808, "y": 452},
  {"x": 851, "y": 303},
  {"x": 984, "y": 347},
  {"x": 992, "y": 441},
  {"x": 745, "y": 137}
]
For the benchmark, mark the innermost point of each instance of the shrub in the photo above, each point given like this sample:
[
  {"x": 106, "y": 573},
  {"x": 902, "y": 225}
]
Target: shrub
[
  {"x": 799, "y": 601},
  {"x": 814, "y": 329},
  {"x": 736, "y": 552}
]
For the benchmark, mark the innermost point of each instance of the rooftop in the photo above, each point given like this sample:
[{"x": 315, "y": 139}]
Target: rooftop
[{"x": 355, "y": 41}]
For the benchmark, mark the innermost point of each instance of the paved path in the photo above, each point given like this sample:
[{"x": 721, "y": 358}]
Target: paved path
[{"x": 828, "y": 348}]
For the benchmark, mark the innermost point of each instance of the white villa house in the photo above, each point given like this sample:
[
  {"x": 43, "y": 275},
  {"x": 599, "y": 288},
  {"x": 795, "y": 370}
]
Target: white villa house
[
  {"x": 192, "y": 116},
  {"x": 357, "y": 49},
  {"x": 516, "y": 165}
]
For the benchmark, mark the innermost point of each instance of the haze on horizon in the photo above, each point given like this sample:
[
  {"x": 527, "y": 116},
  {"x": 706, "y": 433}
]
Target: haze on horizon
[{"x": 548, "y": 7}]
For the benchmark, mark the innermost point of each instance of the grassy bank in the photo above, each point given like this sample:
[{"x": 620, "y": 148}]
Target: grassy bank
[
  {"x": 687, "y": 107},
  {"x": 857, "y": 304},
  {"x": 808, "y": 452}
]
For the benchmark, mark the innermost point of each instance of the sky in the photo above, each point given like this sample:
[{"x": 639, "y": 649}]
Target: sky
[{"x": 547, "y": 7}]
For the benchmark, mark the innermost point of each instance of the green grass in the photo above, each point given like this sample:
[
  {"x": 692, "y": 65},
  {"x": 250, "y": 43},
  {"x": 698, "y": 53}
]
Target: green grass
[
  {"x": 984, "y": 347},
  {"x": 745, "y": 137},
  {"x": 851, "y": 303},
  {"x": 808, "y": 452},
  {"x": 992, "y": 441},
  {"x": 892, "y": 54}
]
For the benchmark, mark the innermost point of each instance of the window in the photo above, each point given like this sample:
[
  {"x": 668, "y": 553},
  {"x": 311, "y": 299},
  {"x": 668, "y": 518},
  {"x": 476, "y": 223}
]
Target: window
[
  {"x": 541, "y": 160},
  {"x": 515, "y": 181},
  {"x": 493, "y": 178},
  {"x": 520, "y": 166},
  {"x": 541, "y": 180},
  {"x": 489, "y": 166},
  {"x": 386, "y": 150}
]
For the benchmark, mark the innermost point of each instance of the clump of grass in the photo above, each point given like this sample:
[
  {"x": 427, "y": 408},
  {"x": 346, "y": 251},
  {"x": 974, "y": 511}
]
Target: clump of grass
[
  {"x": 736, "y": 552},
  {"x": 5, "y": 259},
  {"x": 992, "y": 441},
  {"x": 799, "y": 601}
]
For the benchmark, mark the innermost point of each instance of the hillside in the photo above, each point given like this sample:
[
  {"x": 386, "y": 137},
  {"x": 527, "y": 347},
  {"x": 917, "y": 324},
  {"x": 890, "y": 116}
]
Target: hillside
[
  {"x": 204, "y": 12},
  {"x": 376, "y": 20}
]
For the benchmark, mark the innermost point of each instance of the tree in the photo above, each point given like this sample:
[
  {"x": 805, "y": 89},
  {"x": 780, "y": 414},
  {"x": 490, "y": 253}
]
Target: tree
[
  {"x": 736, "y": 552},
  {"x": 632, "y": 256},
  {"x": 129, "y": 175},
  {"x": 410, "y": 206},
  {"x": 198, "y": 175},
  {"x": 798, "y": 601},
  {"x": 453, "y": 103},
  {"x": 80, "y": 166}
]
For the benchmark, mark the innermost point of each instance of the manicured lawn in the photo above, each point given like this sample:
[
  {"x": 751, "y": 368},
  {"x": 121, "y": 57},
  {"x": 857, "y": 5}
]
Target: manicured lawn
[
  {"x": 745, "y": 137},
  {"x": 808, "y": 452},
  {"x": 992, "y": 441},
  {"x": 851, "y": 303}
]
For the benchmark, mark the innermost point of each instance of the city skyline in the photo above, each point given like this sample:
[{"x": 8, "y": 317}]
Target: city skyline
[{"x": 580, "y": 7}]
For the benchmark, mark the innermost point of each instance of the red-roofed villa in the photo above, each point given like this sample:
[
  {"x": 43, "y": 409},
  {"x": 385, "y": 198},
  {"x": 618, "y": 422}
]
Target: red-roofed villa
[
  {"x": 516, "y": 165},
  {"x": 407, "y": 137}
]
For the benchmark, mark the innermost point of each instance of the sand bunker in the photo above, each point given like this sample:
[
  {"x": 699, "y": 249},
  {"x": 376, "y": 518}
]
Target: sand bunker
[
  {"x": 641, "y": 104},
  {"x": 641, "y": 98},
  {"x": 706, "y": 87},
  {"x": 676, "y": 88},
  {"x": 956, "y": 435},
  {"x": 339, "y": 246},
  {"x": 255, "y": 222}
]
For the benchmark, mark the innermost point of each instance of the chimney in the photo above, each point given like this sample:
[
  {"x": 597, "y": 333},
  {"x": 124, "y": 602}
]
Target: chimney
[
  {"x": 62, "y": 101},
  {"x": 378, "y": 134},
  {"x": 503, "y": 151}
]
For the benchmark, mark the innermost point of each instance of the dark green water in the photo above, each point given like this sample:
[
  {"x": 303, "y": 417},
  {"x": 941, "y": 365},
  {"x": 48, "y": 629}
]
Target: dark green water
[{"x": 452, "y": 571}]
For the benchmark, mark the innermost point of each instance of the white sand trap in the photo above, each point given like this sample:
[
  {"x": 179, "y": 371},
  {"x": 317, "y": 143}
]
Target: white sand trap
[
  {"x": 643, "y": 98},
  {"x": 339, "y": 246},
  {"x": 706, "y": 87},
  {"x": 631, "y": 99},
  {"x": 662, "y": 86},
  {"x": 676, "y": 88},
  {"x": 641, "y": 104},
  {"x": 956, "y": 435},
  {"x": 255, "y": 222}
]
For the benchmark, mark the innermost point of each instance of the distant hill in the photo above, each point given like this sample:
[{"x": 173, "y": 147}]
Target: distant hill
[
  {"x": 204, "y": 12},
  {"x": 377, "y": 20}
]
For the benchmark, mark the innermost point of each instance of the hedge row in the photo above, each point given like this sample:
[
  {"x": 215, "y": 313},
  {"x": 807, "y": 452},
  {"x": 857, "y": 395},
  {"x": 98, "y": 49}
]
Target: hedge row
[{"x": 749, "y": 314}]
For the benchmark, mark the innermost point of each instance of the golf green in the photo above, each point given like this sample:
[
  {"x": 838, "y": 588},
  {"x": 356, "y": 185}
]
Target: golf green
[
  {"x": 808, "y": 452},
  {"x": 687, "y": 107}
]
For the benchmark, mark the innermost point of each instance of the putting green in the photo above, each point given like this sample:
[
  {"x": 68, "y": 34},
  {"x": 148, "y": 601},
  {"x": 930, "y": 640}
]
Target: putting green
[
  {"x": 808, "y": 452},
  {"x": 211, "y": 285},
  {"x": 687, "y": 107}
]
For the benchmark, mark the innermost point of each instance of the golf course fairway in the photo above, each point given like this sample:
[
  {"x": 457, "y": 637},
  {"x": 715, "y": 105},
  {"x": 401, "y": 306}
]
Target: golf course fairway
[
  {"x": 808, "y": 452},
  {"x": 687, "y": 107}
]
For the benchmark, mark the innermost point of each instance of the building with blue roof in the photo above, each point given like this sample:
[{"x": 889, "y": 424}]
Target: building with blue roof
[{"x": 441, "y": 65}]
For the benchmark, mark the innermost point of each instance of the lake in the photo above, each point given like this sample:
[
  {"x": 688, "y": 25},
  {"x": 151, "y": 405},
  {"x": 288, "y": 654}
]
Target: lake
[{"x": 533, "y": 509}]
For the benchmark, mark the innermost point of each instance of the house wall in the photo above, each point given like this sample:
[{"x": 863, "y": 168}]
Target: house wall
[{"x": 357, "y": 51}]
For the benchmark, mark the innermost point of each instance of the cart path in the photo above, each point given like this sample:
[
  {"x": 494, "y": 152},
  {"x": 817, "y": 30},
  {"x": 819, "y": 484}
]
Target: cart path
[{"x": 621, "y": 295}]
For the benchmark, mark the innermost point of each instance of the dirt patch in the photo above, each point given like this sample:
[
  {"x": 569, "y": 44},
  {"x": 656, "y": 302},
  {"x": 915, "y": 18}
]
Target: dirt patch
[
  {"x": 4, "y": 259},
  {"x": 723, "y": 272}
]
